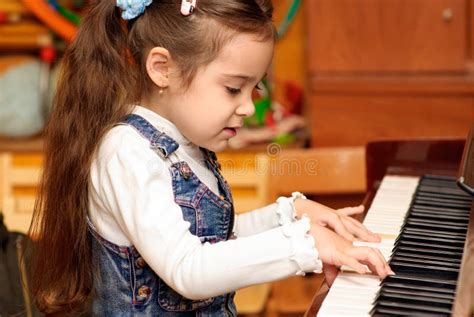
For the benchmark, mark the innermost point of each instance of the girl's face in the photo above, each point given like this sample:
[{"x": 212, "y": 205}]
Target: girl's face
[{"x": 213, "y": 109}]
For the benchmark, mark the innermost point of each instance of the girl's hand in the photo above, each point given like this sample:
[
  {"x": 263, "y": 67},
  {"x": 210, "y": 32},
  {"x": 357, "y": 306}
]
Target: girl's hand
[
  {"x": 349, "y": 211},
  {"x": 335, "y": 250},
  {"x": 338, "y": 220}
]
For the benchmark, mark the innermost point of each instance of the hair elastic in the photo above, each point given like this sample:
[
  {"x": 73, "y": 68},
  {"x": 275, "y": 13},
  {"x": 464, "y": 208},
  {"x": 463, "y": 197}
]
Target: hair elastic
[
  {"x": 187, "y": 7},
  {"x": 132, "y": 8}
]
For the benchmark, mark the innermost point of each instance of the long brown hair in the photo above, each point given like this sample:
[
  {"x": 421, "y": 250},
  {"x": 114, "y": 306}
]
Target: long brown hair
[{"x": 102, "y": 73}]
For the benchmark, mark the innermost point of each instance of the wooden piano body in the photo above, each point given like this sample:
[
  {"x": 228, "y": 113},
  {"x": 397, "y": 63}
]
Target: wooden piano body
[{"x": 419, "y": 157}]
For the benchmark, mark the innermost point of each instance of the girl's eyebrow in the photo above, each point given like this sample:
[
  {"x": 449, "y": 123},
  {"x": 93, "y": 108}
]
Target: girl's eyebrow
[{"x": 244, "y": 77}]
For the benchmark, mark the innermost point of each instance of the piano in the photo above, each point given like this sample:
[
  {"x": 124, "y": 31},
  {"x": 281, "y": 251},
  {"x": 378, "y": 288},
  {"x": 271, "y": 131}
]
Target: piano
[{"x": 420, "y": 201}]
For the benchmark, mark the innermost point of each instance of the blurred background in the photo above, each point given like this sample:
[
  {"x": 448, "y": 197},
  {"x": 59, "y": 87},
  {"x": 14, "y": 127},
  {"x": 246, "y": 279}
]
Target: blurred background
[{"x": 345, "y": 73}]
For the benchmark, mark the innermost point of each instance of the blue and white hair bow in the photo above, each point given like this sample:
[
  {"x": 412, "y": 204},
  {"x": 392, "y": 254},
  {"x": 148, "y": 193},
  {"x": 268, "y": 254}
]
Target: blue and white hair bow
[{"x": 132, "y": 8}]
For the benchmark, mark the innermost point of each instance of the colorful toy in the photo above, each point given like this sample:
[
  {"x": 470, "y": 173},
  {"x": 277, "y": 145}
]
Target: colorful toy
[
  {"x": 289, "y": 18},
  {"x": 43, "y": 11},
  {"x": 71, "y": 16},
  {"x": 276, "y": 123},
  {"x": 9, "y": 17}
]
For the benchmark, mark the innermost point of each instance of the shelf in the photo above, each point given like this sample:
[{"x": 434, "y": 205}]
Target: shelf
[{"x": 21, "y": 145}]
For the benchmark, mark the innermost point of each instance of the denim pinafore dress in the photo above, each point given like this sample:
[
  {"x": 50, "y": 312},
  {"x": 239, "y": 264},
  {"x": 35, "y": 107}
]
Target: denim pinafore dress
[{"x": 124, "y": 284}]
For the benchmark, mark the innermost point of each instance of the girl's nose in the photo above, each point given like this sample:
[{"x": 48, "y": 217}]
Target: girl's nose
[{"x": 246, "y": 108}]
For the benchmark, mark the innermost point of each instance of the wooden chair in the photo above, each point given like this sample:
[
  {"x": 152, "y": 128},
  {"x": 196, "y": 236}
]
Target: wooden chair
[
  {"x": 338, "y": 170},
  {"x": 246, "y": 174},
  {"x": 18, "y": 182},
  {"x": 319, "y": 171}
]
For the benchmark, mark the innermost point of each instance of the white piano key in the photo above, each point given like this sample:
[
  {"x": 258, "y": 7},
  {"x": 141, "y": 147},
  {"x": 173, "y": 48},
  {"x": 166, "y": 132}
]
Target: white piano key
[{"x": 350, "y": 295}]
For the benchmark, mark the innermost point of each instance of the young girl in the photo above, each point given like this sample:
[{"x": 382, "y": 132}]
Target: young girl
[{"x": 134, "y": 217}]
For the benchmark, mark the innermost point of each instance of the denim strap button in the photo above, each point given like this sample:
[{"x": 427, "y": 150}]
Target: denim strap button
[
  {"x": 144, "y": 291},
  {"x": 140, "y": 263}
]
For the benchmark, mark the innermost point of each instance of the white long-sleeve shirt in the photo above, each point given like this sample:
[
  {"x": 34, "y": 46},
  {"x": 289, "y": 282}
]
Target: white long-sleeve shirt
[{"x": 131, "y": 202}]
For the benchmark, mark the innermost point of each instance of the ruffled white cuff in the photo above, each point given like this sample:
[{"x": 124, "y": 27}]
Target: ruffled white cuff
[
  {"x": 286, "y": 208},
  {"x": 305, "y": 253}
]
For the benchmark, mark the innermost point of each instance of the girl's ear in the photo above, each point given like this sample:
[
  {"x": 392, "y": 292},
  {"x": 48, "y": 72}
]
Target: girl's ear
[{"x": 158, "y": 65}]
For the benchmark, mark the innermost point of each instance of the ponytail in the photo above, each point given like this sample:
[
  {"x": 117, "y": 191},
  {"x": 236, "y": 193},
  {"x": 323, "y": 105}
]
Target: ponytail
[{"x": 91, "y": 97}]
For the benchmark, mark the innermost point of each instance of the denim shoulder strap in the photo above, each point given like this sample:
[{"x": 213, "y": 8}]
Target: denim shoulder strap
[{"x": 159, "y": 141}]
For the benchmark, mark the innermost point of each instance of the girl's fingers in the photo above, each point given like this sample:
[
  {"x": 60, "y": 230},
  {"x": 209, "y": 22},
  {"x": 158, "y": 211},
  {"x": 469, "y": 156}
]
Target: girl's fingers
[
  {"x": 354, "y": 226},
  {"x": 357, "y": 229},
  {"x": 341, "y": 229},
  {"x": 353, "y": 263},
  {"x": 349, "y": 211},
  {"x": 378, "y": 261},
  {"x": 360, "y": 231},
  {"x": 374, "y": 259}
]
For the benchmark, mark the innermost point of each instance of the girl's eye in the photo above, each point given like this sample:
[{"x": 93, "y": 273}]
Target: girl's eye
[{"x": 233, "y": 91}]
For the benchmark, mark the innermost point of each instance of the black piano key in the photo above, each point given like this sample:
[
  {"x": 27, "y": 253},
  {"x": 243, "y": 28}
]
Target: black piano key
[
  {"x": 416, "y": 260},
  {"x": 430, "y": 292},
  {"x": 450, "y": 180},
  {"x": 428, "y": 202},
  {"x": 428, "y": 268},
  {"x": 422, "y": 281},
  {"x": 445, "y": 199},
  {"x": 422, "y": 251},
  {"x": 457, "y": 217},
  {"x": 439, "y": 217},
  {"x": 440, "y": 185},
  {"x": 442, "y": 201},
  {"x": 432, "y": 246},
  {"x": 442, "y": 195},
  {"x": 430, "y": 240},
  {"x": 433, "y": 290},
  {"x": 431, "y": 191},
  {"x": 427, "y": 223},
  {"x": 433, "y": 207},
  {"x": 430, "y": 257},
  {"x": 414, "y": 297},
  {"x": 399, "y": 266},
  {"x": 394, "y": 311},
  {"x": 437, "y": 233},
  {"x": 440, "y": 209},
  {"x": 446, "y": 236},
  {"x": 443, "y": 187},
  {"x": 433, "y": 225},
  {"x": 420, "y": 307}
]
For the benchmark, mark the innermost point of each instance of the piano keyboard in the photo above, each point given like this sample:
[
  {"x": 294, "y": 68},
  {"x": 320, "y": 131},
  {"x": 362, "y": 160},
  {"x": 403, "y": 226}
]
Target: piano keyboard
[{"x": 423, "y": 224}]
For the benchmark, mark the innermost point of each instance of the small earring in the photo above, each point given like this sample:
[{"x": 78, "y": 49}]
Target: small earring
[{"x": 161, "y": 91}]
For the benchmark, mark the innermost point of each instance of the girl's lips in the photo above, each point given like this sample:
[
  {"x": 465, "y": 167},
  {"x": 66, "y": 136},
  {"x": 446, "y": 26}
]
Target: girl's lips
[{"x": 231, "y": 131}]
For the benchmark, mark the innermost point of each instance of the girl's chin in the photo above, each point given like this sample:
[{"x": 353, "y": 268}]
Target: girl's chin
[{"x": 219, "y": 146}]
